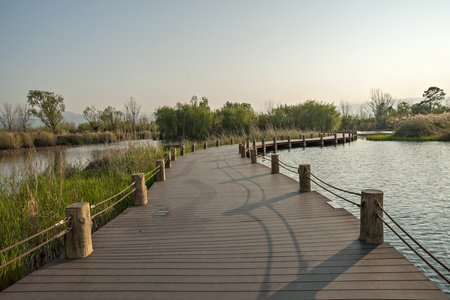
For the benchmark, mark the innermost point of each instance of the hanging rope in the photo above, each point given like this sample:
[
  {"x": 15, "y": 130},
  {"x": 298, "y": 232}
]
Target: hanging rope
[
  {"x": 414, "y": 250},
  {"x": 354, "y": 203},
  {"x": 336, "y": 188},
  {"x": 100, "y": 212},
  {"x": 106, "y": 200},
  {"x": 413, "y": 239}
]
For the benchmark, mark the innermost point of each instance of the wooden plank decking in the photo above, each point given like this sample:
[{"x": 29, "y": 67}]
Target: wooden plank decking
[{"x": 233, "y": 231}]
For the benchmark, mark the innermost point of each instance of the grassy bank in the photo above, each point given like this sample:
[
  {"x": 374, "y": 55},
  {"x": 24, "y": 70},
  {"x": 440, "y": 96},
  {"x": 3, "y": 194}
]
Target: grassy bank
[
  {"x": 419, "y": 128},
  {"x": 16, "y": 140},
  {"x": 37, "y": 201}
]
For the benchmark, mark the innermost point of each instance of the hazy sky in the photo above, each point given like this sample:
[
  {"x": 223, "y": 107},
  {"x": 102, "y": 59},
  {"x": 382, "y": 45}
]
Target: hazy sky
[{"x": 163, "y": 52}]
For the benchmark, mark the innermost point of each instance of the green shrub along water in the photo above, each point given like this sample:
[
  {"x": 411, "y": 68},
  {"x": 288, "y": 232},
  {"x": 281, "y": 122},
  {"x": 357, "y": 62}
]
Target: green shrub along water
[
  {"x": 31, "y": 202},
  {"x": 16, "y": 140}
]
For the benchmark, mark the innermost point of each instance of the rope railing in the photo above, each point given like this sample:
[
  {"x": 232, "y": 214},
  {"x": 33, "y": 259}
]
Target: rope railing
[
  {"x": 64, "y": 221},
  {"x": 58, "y": 235},
  {"x": 336, "y": 188},
  {"x": 414, "y": 240},
  {"x": 112, "y": 205},
  {"x": 110, "y": 198},
  {"x": 345, "y": 199},
  {"x": 412, "y": 248},
  {"x": 157, "y": 168}
]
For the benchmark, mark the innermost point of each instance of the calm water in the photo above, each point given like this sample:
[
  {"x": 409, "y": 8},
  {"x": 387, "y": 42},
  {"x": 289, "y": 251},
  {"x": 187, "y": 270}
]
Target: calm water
[
  {"x": 16, "y": 162},
  {"x": 415, "y": 179}
]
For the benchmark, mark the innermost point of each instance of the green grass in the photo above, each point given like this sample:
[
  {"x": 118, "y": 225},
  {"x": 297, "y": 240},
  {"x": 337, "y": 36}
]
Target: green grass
[
  {"x": 31, "y": 202},
  {"x": 391, "y": 137}
]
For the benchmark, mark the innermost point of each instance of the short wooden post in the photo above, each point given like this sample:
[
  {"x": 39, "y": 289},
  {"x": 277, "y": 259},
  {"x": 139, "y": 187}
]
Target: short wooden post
[
  {"x": 240, "y": 149},
  {"x": 254, "y": 144},
  {"x": 174, "y": 154},
  {"x": 282, "y": 138},
  {"x": 193, "y": 147},
  {"x": 289, "y": 142},
  {"x": 205, "y": 145},
  {"x": 161, "y": 175},
  {"x": 244, "y": 150},
  {"x": 371, "y": 227},
  {"x": 304, "y": 141},
  {"x": 232, "y": 142},
  {"x": 321, "y": 140},
  {"x": 140, "y": 192},
  {"x": 253, "y": 156},
  {"x": 275, "y": 163},
  {"x": 305, "y": 181},
  {"x": 182, "y": 150},
  {"x": 79, "y": 240},
  {"x": 275, "y": 148},
  {"x": 335, "y": 139},
  {"x": 263, "y": 142},
  {"x": 312, "y": 135},
  {"x": 343, "y": 135},
  {"x": 218, "y": 143},
  {"x": 247, "y": 145},
  {"x": 168, "y": 160}
]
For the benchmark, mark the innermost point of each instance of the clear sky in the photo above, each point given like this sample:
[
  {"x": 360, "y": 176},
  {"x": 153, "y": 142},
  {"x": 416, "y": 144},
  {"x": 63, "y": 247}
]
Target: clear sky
[{"x": 162, "y": 52}]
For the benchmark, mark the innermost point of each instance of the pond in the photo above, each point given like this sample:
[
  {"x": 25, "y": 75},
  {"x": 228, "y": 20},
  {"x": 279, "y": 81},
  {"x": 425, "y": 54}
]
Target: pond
[{"x": 415, "y": 179}]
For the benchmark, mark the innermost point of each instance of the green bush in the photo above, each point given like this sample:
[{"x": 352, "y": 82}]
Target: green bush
[{"x": 414, "y": 128}]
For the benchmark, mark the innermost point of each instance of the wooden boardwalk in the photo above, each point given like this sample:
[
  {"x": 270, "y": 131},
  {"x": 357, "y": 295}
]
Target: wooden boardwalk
[{"x": 222, "y": 228}]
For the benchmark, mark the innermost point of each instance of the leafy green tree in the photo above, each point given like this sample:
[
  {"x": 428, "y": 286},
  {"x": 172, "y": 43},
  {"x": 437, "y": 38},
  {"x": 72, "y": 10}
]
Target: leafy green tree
[
  {"x": 236, "y": 117},
  {"x": 403, "y": 109},
  {"x": 380, "y": 106},
  {"x": 48, "y": 107},
  {"x": 433, "y": 98},
  {"x": 111, "y": 119},
  {"x": 92, "y": 116}
]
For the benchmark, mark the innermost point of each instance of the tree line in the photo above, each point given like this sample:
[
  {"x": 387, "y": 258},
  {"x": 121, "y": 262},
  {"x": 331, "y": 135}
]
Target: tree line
[{"x": 48, "y": 107}]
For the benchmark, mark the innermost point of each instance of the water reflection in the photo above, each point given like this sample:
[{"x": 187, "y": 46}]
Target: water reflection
[{"x": 26, "y": 161}]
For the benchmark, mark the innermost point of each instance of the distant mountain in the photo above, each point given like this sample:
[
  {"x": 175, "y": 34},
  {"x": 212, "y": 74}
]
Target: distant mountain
[{"x": 73, "y": 117}]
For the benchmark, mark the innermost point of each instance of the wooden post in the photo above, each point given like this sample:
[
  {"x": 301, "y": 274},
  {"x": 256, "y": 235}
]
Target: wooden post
[
  {"x": 275, "y": 148},
  {"x": 182, "y": 150},
  {"x": 335, "y": 139},
  {"x": 79, "y": 240},
  {"x": 205, "y": 145},
  {"x": 343, "y": 135},
  {"x": 275, "y": 163},
  {"x": 253, "y": 156},
  {"x": 168, "y": 161},
  {"x": 240, "y": 149},
  {"x": 161, "y": 175},
  {"x": 289, "y": 142},
  {"x": 244, "y": 150},
  {"x": 371, "y": 228},
  {"x": 247, "y": 145},
  {"x": 282, "y": 138},
  {"x": 321, "y": 140},
  {"x": 304, "y": 141},
  {"x": 254, "y": 144},
  {"x": 140, "y": 192},
  {"x": 174, "y": 154},
  {"x": 312, "y": 135},
  {"x": 193, "y": 147},
  {"x": 232, "y": 142},
  {"x": 305, "y": 182},
  {"x": 218, "y": 143},
  {"x": 263, "y": 142}
]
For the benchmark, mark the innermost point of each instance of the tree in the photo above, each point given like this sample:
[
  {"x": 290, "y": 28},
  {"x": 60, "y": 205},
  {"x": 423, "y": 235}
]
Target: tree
[
  {"x": 8, "y": 116},
  {"x": 48, "y": 107},
  {"x": 433, "y": 98},
  {"x": 111, "y": 118},
  {"x": 132, "y": 111},
  {"x": 380, "y": 106},
  {"x": 92, "y": 116},
  {"x": 23, "y": 116}
]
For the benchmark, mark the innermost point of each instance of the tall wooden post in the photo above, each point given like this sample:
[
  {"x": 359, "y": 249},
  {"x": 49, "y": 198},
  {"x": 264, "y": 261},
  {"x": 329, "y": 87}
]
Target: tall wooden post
[
  {"x": 140, "y": 192},
  {"x": 263, "y": 142},
  {"x": 174, "y": 154},
  {"x": 193, "y": 147},
  {"x": 161, "y": 175},
  {"x": 79, "y": 239},
  {"x": 254, "y": 156},
  {"x": 305, "y": 181},
  {"x": 182, "y": 150},
  {"x": 371, "y": 227},
  {"x": 205, "y": 145},
  {"x": 275, "y": 163},
  {"x": 289, "y": 142},
  {"x": 168, "y": 160},
  {"x": 254, "y": 144},
  {"x": 275, "y": 147},
  {"x": 244, "y": 150},
  {"x": 247, "y": 145}
]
